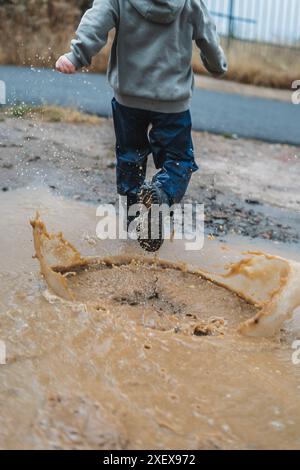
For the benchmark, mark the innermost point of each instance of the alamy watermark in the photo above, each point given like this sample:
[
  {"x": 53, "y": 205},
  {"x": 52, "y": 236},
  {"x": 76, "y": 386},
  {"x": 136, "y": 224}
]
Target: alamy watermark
[
  {"x": 2, "y": 92},
  {"x": 179, "y": 222},
  {"x": 2, "y": 353},
  {"x": 296, "y": 93},
  {"x": 296, "y": 353}
]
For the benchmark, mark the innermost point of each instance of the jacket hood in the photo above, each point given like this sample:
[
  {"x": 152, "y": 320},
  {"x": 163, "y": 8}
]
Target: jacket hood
[{"x": 159, "y": 11}]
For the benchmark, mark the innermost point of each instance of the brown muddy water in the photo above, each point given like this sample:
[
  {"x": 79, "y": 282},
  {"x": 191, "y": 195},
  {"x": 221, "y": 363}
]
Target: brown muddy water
[{"x": 148, "y": 356}]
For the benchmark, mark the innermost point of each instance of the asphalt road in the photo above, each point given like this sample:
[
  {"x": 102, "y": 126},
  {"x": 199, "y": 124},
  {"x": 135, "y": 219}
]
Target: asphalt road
[{"x": 217, "y": 112}]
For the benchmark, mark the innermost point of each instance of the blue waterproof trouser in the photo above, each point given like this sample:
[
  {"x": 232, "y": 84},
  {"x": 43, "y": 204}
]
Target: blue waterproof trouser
[{"x": 170, "y": 142}]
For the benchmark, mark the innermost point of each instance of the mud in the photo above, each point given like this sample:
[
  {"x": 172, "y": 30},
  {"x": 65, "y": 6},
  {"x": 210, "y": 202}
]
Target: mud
[
  {"x": 269, "y": 282},
  {"x": 146, "y": 356}
]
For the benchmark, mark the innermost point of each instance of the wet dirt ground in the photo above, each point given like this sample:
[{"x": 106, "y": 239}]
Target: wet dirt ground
[
  {"x": 136, "y": 371},
  {"x": 249, "y": 188},
  {"x": 139, "y": 369}
]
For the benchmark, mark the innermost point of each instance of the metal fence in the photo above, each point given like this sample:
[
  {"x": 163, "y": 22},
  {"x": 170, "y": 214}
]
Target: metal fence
[{"x": 272, "y": 22}]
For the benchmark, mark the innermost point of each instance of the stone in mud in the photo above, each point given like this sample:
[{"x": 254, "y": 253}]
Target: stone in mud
[
  {"x": 213, "y": 328},
  {"x": 253, "y": 202},
  {"x": 201, "y": 330}
]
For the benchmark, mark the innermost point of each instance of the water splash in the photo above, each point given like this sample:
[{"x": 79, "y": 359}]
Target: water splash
[{"x": 269, "y": 282}]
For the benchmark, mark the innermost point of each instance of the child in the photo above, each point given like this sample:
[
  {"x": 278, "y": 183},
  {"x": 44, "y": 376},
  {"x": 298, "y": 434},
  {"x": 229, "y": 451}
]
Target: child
[{"x": 151, "y": 73}]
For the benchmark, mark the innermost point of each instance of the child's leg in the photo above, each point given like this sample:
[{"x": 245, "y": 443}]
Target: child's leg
[
  {"x": 132, "y": 148},
  {"x": 172, "y": 148}
]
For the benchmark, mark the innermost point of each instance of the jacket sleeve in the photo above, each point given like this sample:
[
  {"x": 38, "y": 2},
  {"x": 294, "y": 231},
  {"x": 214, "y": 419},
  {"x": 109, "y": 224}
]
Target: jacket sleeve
[
  {"x": 92, "y": 32},
  {"x": 207, "y": 39}
]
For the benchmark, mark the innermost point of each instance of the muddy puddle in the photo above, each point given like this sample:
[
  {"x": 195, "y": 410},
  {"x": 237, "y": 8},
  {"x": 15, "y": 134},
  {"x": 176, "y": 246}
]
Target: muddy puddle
[{"x": 148, "y": 353}]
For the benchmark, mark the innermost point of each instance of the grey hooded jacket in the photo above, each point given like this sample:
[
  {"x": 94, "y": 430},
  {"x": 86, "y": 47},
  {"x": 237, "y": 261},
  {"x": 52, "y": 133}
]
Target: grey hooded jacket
[{"x": 150, "y": 64}]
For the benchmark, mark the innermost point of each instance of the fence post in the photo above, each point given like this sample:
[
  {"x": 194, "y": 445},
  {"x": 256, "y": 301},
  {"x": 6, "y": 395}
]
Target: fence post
[
  {"x": 230, "y": 34},
  {"x": 2, "y": 92}
]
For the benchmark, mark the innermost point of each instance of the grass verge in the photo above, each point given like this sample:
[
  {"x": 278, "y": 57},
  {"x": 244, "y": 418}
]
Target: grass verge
[{"x": 49, "y": 114}]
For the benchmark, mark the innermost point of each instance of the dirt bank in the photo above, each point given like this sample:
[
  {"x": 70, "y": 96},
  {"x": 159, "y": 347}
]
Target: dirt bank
[{"x": 228, "y": 86}]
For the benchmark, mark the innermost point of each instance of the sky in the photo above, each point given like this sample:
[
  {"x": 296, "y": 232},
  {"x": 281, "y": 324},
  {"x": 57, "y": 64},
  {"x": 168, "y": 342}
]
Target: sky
[{"x": 276, "y": 21}]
